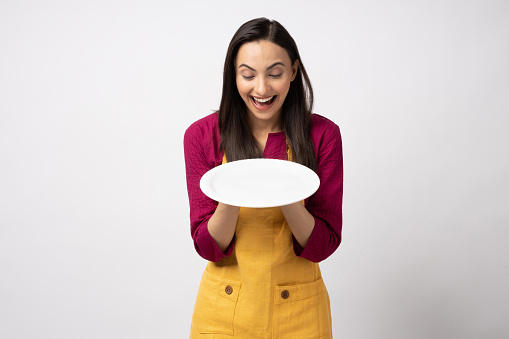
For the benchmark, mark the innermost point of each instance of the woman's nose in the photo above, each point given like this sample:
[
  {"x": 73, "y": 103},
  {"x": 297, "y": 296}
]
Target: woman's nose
[{"x": 262, "y": 86}]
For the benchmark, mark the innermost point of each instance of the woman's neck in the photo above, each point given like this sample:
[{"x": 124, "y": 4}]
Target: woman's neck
[{"x": 261, "y": 129}]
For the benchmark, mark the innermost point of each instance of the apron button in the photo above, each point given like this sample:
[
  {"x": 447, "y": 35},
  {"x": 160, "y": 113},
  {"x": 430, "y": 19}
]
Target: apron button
[
  {"x": 228, "y": 289},
  {"x": 285, "y": 294}
]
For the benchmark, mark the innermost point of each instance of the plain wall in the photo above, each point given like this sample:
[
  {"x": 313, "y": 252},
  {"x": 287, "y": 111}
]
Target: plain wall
[{"x": 95, "y": 97}]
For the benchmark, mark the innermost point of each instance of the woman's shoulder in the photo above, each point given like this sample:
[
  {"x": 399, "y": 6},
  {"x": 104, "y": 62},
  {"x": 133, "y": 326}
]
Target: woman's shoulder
[
  {"x": 325, "y": 135},
  {"x": 204, "y": 126},
  {"x": 202, "y": 138},
  {"x": 203, "y": 134},
  {"x": 322, "y": 125}
]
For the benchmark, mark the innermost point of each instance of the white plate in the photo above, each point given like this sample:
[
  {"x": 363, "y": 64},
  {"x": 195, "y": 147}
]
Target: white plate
[{"x": 259, "y": 183}]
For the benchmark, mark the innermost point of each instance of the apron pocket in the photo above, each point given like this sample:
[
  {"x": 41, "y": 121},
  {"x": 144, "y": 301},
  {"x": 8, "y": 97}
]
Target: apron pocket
[
  {"x": 302, "y": 311},
  {"x": 215, "y": 305}
]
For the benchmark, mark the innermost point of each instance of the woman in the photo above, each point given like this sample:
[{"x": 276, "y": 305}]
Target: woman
[{"x": 263, "y": 278}]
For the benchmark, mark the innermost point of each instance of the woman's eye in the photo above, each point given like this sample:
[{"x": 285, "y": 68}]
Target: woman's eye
[
  {"x": 248, "y": 77},
  {"x": 276, "y": 75}
]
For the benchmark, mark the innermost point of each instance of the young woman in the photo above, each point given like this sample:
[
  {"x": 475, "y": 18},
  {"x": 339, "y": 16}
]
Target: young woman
[{"x": 263, "y": 279}]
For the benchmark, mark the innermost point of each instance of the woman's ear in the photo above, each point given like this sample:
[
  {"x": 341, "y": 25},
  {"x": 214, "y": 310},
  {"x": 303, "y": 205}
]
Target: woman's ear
[{"x": 295, "y": 68}]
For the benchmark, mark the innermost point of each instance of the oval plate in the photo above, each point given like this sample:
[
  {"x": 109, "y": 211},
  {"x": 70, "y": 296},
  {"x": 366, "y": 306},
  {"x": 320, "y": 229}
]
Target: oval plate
[{"x": 259, "y": 183}]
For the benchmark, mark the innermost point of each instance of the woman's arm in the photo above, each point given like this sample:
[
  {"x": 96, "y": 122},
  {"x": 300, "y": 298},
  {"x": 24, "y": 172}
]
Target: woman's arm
[
  {"x": 300, "y": 221},
  {"x": 325, "y": 206},
  {"x": 212, "y": 242}
]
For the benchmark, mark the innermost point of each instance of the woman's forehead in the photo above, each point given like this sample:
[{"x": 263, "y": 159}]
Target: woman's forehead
[{"x": 261, "y": 54}]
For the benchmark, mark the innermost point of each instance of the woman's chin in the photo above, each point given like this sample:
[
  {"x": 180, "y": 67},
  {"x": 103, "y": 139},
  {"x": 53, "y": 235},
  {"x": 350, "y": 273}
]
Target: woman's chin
[{"x": 264, "y": 115}]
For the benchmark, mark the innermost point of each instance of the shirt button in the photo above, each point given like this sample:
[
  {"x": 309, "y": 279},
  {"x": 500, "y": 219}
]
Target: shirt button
[
  {"x": 228, "y": 289},
  {"x": 285, "y": 294}
]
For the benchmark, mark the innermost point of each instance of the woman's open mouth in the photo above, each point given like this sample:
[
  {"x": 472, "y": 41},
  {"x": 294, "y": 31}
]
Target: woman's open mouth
[{"x": 263, "y": 104}]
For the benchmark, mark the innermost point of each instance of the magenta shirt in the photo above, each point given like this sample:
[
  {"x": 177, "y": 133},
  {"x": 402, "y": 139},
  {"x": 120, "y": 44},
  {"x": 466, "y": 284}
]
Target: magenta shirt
[{"x": 201, "y": 151}]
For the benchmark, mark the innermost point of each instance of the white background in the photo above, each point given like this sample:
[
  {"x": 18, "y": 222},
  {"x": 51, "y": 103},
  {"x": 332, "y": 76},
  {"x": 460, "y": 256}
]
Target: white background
[{"x": 94, "y": 220}]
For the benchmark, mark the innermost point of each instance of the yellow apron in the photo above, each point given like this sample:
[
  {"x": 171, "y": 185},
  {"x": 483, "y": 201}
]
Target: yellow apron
[{"x": 263, "y": 290}]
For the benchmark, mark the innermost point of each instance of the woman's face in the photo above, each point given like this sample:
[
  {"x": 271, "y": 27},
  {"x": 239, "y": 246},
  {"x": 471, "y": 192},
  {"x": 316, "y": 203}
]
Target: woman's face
[{"x": 263, "y": 73}]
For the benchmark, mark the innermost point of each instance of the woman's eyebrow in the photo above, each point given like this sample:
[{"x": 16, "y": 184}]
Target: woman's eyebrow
[
  {"x": 251, "y": 68},
  {"x": 268, "y": 68},
  {"x": 275, "y": 64}
]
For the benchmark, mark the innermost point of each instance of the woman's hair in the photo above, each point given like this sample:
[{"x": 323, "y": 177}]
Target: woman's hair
[{"x": 237, "y": 140}]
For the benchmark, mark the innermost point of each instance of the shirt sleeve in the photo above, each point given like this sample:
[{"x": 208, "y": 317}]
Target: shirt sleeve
[
  {"x": 201, "y": 207},
  {"x": 326, "y": 204}
]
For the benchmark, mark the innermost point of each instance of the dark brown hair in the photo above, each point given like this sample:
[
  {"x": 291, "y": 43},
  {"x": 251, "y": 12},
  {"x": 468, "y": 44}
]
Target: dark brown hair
[{"x": 237, "y": 140}]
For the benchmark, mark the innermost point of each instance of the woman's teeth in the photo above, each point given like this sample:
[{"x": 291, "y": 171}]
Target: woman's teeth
[{"x": 263, "y": 100}]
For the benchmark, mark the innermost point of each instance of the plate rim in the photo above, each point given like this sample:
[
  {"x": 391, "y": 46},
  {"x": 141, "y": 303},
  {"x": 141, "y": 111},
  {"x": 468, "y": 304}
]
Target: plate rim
[{"x": 213, "y": 171}]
